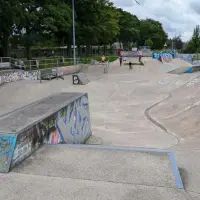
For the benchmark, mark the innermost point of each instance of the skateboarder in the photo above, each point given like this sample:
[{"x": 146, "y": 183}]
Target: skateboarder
[
  {"x": 130, "y": 65},
  {"x": 140, "y": 56},
  {"x": 120, "y": 60},
  {"x": 124, "y": 59},
  {"x": 103, "y": 58}
]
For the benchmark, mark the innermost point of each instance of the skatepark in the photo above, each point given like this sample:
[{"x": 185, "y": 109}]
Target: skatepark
[{"x": 144, "y": 142}]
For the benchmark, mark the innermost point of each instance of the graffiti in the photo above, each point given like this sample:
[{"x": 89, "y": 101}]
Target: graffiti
[
  {"x": 12, "y": 76},
  {"x": 163, "y": 57},
  {"x": 187, "y": 57},
  {"x": 69, "y": 125},
  {"x": 73, "y": 122},
  {"x": 6, "y": 150},
  {"x": 164, "y": 81},
  {"x": 29, "y": 141},
  {"x": 193, "y": 82}
]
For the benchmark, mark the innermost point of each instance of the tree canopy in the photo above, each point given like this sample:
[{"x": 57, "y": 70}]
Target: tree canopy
[
  {"x": 193, "y": 45},
  {"x": 98, "y": 22}
]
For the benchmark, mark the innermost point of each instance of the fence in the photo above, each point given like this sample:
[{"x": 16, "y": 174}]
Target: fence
[{"x": 30, "y": 65}]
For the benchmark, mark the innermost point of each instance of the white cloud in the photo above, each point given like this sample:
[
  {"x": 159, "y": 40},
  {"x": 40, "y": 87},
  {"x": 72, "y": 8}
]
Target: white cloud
[{"x": 177, "y": 16}]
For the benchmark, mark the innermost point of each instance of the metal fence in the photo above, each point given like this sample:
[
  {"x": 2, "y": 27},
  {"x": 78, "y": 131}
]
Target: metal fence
[{"x": 36, "y": 64}]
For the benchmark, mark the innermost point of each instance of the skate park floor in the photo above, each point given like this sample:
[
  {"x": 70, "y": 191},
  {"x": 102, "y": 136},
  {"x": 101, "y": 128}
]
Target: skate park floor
[{"x": 126, "y": 108}]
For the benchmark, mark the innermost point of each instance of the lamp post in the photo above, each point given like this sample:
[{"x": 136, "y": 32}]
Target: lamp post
[{"x": 74, "y": 34}]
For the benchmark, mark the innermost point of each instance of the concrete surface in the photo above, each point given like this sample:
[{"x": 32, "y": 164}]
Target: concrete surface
[
  {"x": 16, "y": 121},
  {"x": 139, "y": 168},
  {"x": 23, "y": 187},
  {"x": 118, "y": 101}
]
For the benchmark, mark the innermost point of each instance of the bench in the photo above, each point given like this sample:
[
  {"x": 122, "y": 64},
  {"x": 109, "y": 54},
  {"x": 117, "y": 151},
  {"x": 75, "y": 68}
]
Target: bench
[{"x": 49, "y": 74}]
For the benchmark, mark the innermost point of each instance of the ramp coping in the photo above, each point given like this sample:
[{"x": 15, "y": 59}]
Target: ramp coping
[{"x": 176, "y": 173}]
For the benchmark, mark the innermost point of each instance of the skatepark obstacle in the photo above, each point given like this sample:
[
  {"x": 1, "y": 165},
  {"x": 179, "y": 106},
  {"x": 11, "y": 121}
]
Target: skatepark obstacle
[
  {"x": 50, "y": 73},
  {"x": 79, "y": 79},
  {"x": 60, "y": 118}
]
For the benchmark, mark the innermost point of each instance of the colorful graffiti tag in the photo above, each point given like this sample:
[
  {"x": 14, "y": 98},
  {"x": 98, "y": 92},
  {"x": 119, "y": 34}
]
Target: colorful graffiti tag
[
  {"x": 69, "y": 125},
  {"x": 163, "y": 57},
  {"x": 187, "y": 57},
  {"x": 75, "y": 119},
  {"x": 6, "y": 151},
  {"x": 12, "y": 76}
]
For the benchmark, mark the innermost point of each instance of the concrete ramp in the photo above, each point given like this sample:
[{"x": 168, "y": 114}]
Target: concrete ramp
[
  {"x": 108, "y": 164},
  {"x": 194, "y": 68},
  {"x": 80, "y": 79}
]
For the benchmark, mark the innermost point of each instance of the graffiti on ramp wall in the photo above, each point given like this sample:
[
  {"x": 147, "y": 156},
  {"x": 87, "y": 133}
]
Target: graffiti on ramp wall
[
  {"x": 6, "y": 150},
  {"x": 73, "y": 122},
  {"x": 69, "y": 125}
]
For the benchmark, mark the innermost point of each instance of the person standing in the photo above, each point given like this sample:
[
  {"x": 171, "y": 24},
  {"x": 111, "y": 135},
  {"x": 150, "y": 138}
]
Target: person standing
[
  {"x": 140, "y": 56},
  {"x": 120, "y": 60},
  {"x": 103, "y": 58},
  {"x": 124, "y": 59}
]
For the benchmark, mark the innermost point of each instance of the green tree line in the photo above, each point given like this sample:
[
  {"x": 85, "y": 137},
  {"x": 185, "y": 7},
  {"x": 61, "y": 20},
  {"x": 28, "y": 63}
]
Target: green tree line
[
  {"x": 98, "y": 22},
  {"x": 193, "y": 45}
]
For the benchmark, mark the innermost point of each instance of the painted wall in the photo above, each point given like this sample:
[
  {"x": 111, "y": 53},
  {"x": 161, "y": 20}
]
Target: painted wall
[
  {"x": 70, "y": 125},
  {"x": 7, "y": 145},
  {"x": 8, "y": 76},
  {"x": 163, "y": 57},
  {"x": 187, "y": 57}
]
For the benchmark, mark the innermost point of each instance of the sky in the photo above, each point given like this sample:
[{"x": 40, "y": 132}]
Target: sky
[{"x": 179, "y": 17}]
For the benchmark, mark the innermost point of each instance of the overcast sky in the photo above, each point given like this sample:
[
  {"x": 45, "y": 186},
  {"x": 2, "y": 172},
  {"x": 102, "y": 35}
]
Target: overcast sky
[{"x": 177, "y": 16}]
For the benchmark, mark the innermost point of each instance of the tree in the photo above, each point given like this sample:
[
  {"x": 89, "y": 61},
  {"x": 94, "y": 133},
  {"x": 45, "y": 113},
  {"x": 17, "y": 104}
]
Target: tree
[
  {"x": 42, "y": 21},
  {"x": 176, "y": 42},
  {"x": 129, "y": 27},
  {"x": 96, "y": 22},
  {"x": 193, "y": 46},
  {"x": 10, "y": 13},
  {"x": 151, "y": 29},
  {"x": 148, "y": 43}
]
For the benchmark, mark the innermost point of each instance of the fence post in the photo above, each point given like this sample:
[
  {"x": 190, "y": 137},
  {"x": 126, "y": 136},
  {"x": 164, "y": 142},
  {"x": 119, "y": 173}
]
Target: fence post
[
  {"x": 37, "y": 64},
  {"x": 30, "y": 65}
]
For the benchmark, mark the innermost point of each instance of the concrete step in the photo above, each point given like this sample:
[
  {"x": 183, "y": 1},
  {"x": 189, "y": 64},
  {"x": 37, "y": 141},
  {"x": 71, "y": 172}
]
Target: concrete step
[{"x": 109, "y": 164}]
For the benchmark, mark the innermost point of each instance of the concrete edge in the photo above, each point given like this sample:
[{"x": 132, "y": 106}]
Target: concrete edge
[
  {"x": 178, "y": 179},
  {"x": 85, "y": 146},
  {"x": 175, "y": 169}
]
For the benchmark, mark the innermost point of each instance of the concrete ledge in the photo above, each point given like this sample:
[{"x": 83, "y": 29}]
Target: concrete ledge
[{"x": 60, "y": 118}]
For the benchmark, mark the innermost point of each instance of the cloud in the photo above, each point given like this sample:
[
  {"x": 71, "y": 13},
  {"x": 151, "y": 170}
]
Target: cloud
[{"x": 179, "y": 17}]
